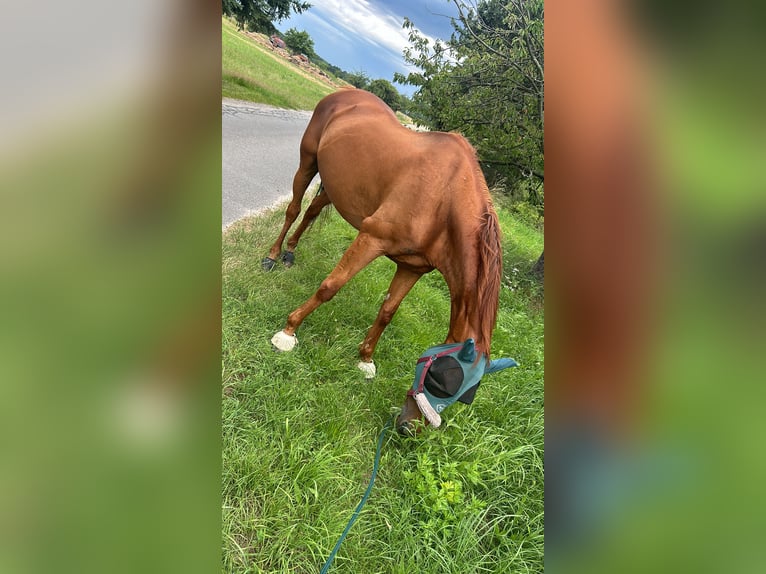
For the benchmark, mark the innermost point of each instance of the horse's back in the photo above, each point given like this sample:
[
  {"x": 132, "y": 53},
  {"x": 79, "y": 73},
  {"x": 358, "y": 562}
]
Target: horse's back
[
  {"x": 369, "y": 163},
  {"x": 350, "y": 99}
]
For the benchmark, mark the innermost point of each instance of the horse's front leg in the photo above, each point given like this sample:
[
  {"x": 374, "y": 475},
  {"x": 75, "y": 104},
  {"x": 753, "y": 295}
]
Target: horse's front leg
[
  {"x": 360, "y": 253},
  {"x": 403, "y": 281}
]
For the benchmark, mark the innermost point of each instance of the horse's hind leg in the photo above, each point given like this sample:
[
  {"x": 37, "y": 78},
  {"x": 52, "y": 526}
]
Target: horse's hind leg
[
  {"x": 403, "y": 281},
  {"x": 301, "y": 181},
  {"x": 360, "y": 253},
  {"x": 320, "y": 201}
]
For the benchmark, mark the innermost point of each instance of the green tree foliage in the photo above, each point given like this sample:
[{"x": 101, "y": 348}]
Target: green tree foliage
[
  {"x": 299, "y": 42},
  {"x": 405, "y": 103},
  {"x": 386, "y": 91},
  {"x": 358, "y": 79},
  {"x": 487, "y": 82},
  {"x": 260, "y": 15}
]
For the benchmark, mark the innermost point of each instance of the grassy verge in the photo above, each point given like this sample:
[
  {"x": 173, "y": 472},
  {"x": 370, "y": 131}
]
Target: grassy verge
[
  {"x": 251, "y": 74},
  {"x": 300, "y": 428}
]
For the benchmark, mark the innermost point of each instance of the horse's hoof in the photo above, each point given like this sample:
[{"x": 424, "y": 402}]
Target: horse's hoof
[
  {"x": 284, "y": 342},
  {"x": 267, "y": 263},
  {"x": 288, "y": 258},
  {"x": 410, "y": 421},
  {"x": 367, "y": 368}
]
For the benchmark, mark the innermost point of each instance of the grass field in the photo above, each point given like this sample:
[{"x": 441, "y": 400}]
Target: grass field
[
  {"x": 249, "y": 73},
  {"x": 299, "y": 429}
]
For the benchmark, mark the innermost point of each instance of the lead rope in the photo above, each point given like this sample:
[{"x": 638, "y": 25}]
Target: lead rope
[{"x": 359, "y": 507}]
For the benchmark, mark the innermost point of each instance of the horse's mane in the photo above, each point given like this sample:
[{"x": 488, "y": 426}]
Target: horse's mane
[
  {"x": 490, "y": 269},
  {"x": 490, "y": 263}
]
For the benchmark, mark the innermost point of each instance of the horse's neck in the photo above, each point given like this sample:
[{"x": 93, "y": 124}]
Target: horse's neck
[
  {"x": 473, "y": 275},
  {"x": 464, "y": 322},
  {"x": 465, "y": 316}
]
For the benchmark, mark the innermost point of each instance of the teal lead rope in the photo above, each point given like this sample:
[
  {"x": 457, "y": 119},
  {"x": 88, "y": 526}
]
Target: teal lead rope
[{"x": 359, "y": 507}]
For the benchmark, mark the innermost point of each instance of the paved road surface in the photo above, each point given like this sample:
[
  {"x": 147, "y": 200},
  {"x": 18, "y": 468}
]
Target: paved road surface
[{"x": 260, "y": 156}]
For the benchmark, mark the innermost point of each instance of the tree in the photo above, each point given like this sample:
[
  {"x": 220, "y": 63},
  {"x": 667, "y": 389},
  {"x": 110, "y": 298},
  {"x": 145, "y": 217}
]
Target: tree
[
  {"x": 260, "y": 15},
  {"x": 386, "y": 91},
  {"x": 358, "y": 79},
  {"x": 299, "y": 42},
  {"x": 229, "y": 7},
  {"x": 405, "y": 103},
  {"x": 487, "y": 82}
]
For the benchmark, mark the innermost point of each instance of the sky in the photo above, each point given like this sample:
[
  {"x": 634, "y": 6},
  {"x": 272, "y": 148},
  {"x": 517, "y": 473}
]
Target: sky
[{"x": 368, "y": 35}]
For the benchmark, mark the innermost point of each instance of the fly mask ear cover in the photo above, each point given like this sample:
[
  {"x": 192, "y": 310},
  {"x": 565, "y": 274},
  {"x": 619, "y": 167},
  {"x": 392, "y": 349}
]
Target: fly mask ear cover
[{"x": 448, "y": 373}]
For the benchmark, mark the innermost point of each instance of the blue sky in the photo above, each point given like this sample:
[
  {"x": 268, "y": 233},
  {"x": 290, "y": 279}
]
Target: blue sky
[{"x": 367, "y": 34}]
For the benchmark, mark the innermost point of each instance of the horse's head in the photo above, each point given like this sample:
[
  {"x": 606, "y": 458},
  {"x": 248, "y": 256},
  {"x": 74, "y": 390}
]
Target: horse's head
[{"x": 445, "y": 374}]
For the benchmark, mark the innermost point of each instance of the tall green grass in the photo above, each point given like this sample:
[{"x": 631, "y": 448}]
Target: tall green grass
[
  {"x": 299, "y": 428},
  {"x": 249, "y": 73}
]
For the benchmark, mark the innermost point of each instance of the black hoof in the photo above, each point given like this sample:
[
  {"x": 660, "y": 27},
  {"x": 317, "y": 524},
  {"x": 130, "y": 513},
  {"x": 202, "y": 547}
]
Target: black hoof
[
  {"x": 268, "y": 263},
  {"x": 288, "y": 258}
]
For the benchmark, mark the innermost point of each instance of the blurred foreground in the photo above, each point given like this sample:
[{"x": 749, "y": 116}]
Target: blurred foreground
[
  {"x": 109, "y": 288},
  {"x": 656, "y": 240}
]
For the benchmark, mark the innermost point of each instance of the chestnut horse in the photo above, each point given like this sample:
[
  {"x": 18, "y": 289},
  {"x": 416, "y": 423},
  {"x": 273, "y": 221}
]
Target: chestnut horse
[{"x": 420, "y": 199}]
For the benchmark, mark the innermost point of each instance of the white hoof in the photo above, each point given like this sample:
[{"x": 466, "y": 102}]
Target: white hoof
[
  {"x": 284, "y": 342},
  {"x": 367, "y": 368}
]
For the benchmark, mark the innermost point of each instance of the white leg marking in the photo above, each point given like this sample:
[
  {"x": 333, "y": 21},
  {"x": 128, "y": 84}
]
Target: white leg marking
[
  {"x": 284, "y": 342},
  {"x": 367, "y": 368}
]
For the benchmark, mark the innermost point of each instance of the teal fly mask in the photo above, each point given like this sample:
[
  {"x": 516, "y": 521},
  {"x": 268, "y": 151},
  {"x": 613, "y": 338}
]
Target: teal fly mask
[{"x": 448, "y": 373}]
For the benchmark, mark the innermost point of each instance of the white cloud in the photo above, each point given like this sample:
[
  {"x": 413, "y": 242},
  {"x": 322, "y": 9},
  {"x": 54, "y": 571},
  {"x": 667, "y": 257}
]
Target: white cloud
[
  {"x": 369, "y": 21},
  {"x": 331, "y": 30}
]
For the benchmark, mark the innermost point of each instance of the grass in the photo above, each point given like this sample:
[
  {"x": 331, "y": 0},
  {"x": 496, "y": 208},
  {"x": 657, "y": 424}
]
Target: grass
[
  {"x": 249, "y": 73},
  {"x": 299, "y": 429}
]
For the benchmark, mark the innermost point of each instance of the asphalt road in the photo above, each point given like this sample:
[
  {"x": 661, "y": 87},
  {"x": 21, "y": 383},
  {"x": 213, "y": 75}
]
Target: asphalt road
[{"x": 259, "y": 156}]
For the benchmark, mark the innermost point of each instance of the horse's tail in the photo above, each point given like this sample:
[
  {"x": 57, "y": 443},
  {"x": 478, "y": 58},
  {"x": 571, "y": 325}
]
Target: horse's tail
[{"x": 490, "y": 270}]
